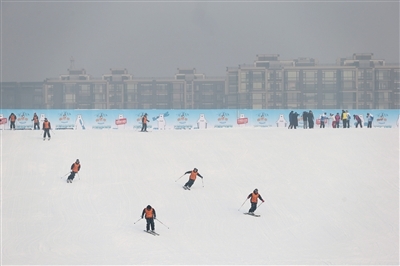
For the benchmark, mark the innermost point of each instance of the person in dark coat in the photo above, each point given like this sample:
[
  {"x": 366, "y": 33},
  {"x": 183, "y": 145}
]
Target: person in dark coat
[
  {"x": 12, "y": 118},
  {"x": 310, "y": 118},
  {"x": 290, "y": 120},
  {"x": 295, "y": 120},
  {"x": 305, "y": 121}
]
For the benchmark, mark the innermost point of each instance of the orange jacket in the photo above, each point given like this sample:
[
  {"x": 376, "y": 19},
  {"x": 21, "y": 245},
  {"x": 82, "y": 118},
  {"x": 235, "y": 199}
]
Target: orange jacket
[
  {"x": 75, "y": 167},
  {"x": 144, "y": 120},
  {"x": 254, "y": 197},
  {"x": 46, "y": 125},
  {"x": 149, "y": 213},
  {"x": 35, "y": 119},
  {"x": 193, "y": 174}
]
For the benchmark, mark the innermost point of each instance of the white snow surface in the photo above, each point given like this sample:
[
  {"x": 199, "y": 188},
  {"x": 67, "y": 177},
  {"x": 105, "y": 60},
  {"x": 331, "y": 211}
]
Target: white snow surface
[{"x": 331, "y": 197}]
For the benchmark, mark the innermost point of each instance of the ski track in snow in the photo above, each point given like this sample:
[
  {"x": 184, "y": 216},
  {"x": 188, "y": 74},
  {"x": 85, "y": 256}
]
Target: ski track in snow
[{"x": 331, "y": 197}]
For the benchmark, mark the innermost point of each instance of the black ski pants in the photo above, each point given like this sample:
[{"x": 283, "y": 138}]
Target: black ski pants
[
  {"x": 144, "y": 127},
  {"x": 189, "y": 183},
  {"x": 149, "y": 224},
  {"x": 253, "y": 207},
  {"x": 46, "y": 132},
  {"x": 71, "y": 176}
]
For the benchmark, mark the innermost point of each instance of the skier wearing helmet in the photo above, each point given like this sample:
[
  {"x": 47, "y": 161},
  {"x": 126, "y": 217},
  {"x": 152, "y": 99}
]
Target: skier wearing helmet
[
  {"x": 150, "y": 214},
  {"x": 193, "y": 174},
  {"x": 75, "y": 167},
  {"x": 254, "y": 196}
]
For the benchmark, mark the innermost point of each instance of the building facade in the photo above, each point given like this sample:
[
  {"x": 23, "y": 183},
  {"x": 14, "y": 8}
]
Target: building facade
[{"x": 358, "y": 82}]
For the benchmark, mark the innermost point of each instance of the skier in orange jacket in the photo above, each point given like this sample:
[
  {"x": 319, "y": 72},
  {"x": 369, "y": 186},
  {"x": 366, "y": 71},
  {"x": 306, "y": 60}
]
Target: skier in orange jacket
[
  {"x": 46, "y": 128},
  {"x": 75, "y": 167},
  {"x": 254, "y": 196},
  {"x": 193, "y": 174},
  {"x": 150, "y": 214}
]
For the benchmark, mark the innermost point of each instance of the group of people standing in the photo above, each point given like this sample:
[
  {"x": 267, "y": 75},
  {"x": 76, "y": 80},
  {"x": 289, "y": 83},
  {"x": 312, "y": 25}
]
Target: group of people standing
[
  {"x": 345, "y": 117},
  {"x": 308, "y": 119}
]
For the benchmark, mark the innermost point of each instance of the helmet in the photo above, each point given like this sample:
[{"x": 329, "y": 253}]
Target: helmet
[
  {"x": 255, "y": 191},
  {"x": 195, "y": 169},
  {"x": 77, "y": 160},
  {"x": 148, "y": 207}
]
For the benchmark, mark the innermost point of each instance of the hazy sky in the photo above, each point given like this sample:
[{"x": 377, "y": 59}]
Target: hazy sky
[{"x": 153, "y": 39}]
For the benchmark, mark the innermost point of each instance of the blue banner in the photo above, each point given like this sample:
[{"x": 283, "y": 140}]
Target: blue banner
[{"x": 130, "y": 119}]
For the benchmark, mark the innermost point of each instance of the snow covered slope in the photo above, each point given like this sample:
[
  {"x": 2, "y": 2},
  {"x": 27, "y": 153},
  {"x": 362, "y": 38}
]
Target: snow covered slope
[{"x": 331, "y": 197}]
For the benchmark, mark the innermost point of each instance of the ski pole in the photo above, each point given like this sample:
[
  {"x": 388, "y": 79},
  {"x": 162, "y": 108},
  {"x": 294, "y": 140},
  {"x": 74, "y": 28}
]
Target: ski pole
[
  {"x": 138, "y": 220},
  {"x": 64, "y": 175},
  {"x": 180, "y": 177},
  {"x": 52, "y": 131},
  {"x": 260, "y": 204},
  {"x": 162, "y": 223},
  {"x": 242, "y": 204},
  {"x": 80, "y": 178},
  {"x": 202, "y": 180}
]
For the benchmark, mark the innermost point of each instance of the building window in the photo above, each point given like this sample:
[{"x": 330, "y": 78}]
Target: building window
[
  {"x": 365, "y": 74},
  {"x": 349, "y": 96},
  {"x": 98, "y": 88},
  {"x": 292, "y": 97},
  {"x": 349, "y": 74},
  {"x": 310, "y": 97},
  {"x": 348, "y": 85},
  {"x": 257, "y": 86},
  {"x": 383, "y": 75},
  {"x": 383, "y": 96},
  {"x": 292, "y": 75},
  {"x": 257, "y": 96},
  {"x": 329, "y": 96},
  {"x": 69, "y": 98}
]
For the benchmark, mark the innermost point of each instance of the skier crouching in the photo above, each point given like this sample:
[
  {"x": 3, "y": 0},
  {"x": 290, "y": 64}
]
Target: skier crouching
[{"x": 254, "y": 196}]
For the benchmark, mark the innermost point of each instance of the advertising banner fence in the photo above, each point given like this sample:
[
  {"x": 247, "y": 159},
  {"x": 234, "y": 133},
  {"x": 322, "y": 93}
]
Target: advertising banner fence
[{"x": 130, "y": 119}]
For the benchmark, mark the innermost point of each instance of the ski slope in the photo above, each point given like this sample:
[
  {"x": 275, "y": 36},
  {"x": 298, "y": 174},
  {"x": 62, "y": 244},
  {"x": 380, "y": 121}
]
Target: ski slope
[{"x": 331, "y": 197}]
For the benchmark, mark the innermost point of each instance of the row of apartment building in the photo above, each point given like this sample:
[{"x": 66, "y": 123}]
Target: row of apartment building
[{"x": 357, "y": 82}]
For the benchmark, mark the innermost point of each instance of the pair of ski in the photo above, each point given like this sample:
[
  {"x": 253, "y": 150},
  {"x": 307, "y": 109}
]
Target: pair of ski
[
  {"x": 252, "y": 214},
  {"x": 186, "y": 188},
  {"x": 152, "y": 233}
]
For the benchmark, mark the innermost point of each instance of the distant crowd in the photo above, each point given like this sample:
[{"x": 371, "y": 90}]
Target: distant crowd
[{"x": 327, "y": 120}]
